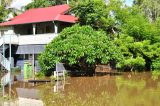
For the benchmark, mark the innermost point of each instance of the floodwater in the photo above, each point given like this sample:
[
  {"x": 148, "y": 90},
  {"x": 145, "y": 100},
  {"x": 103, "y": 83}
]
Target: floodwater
[{"x": 126, "y": 89}]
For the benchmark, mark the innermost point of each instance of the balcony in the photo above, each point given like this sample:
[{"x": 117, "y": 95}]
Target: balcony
[
  {"x": 36, "y": 39},
  {"x": 28, "y": 39}
]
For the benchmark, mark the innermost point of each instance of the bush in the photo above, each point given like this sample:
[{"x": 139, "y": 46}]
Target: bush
[
  {"x": 79, "y": 47},
  {"x": 39, "y": 75},
  {"x": 132, "y": 64},
  {"x": 156, "y": 64}
]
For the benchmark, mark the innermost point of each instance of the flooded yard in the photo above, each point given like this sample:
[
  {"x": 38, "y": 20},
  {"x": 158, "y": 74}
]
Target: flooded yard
[{"x": 126, "y": 89}]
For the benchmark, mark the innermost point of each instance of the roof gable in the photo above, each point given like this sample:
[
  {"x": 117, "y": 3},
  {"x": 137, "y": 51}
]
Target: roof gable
[{"x": 42, "y": 15}]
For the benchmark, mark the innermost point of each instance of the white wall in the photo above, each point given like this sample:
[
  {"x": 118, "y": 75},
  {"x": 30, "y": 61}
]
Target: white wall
[{"x": 36, "y": 39}]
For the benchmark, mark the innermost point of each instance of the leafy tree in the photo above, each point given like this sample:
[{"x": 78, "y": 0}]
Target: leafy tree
[
  {"x": 38, "y": 4},
  {"x": 101, "y": 15},
  {"x": 150, "y": 7},
  {"x": 156, "y": 64},
  {"x": 138, "y": 41},
  {"x": 80, "y": 47},
  {"x": 3, "y": 12},
  {"x": 138, "y": 54},
  {"x": 93, "y": 13},
  {"x": 44, "y": 3},
  {"x": 6, "y": 2}
]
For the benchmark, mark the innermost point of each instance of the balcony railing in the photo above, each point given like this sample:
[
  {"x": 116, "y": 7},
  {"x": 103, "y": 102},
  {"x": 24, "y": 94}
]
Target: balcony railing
[
  {"x": 28, "y": 39},
  {"x": 36, "y": 39},
  {"x": 7, "y": 39}
]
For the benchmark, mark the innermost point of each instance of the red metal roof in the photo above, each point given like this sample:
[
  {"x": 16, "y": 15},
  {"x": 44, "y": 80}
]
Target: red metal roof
[{"x": 54, "y": 13}]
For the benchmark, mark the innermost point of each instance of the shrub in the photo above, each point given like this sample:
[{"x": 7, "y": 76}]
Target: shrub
[{"x": 156, "y": 64}]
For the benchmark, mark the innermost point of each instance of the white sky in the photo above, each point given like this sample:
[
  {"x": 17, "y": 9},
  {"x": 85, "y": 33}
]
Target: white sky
[{"x": 19, "y": 3}]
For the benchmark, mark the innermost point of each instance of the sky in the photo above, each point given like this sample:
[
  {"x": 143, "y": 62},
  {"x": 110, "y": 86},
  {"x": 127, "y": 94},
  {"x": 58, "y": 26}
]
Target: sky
[
  {"x": 129, "y": 2},
  {"x": 19, "y": 3}
]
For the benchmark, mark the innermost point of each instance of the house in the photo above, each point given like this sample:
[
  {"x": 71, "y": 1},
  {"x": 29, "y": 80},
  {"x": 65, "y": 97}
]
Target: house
[{"x": 29, "y": 32}]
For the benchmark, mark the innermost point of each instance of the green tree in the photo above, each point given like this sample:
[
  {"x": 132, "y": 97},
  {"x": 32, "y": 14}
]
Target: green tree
[
  {"x": 151, "y": 8},
  {"x": 101, "y": 15},
  {"x": 139, "y": 41},
  {"x": 3, "y": 10},
  {"x": 80, "y": 47},
  {"x": 93, "y": 13},
  {"x": 44, "y": 3},
  {"x": 3, "y": 13},
  {"x": 6, "y": 2}
]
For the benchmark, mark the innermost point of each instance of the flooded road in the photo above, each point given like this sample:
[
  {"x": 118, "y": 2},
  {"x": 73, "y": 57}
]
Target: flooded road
[{"x": 127, "y": 89}]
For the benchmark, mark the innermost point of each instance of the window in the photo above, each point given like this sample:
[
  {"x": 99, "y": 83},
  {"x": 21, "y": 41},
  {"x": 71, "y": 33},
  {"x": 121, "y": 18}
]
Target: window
[
  {"x": 26, "y": 57},
  {"x": 20, "y": 57}
]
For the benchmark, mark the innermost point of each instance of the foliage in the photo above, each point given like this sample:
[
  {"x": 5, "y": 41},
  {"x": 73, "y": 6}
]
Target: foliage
[
  {"x": 38, "y": 4},
  {"x": 90, "y": 13},
  {"x": 138, "y": 40},
  {"x": 156, "y": 64},
  {"x": 3, "y": 13},
  {"x": 6, "y": 2},
  {"x": 4, "y": 10},
  {"x": 39, "y": 75},
  {"x": 43, "y": 3},
  {"x": 137, "y": 63},
  {"x": 94, "y": 13},
  {"x": 80, "y": 47},
  {"x": 151, "y": 8}
]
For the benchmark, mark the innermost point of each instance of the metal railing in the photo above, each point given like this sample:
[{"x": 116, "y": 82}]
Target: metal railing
[
  {"x": 5, "y": 79},
  {"x": 5, "y": 62}
]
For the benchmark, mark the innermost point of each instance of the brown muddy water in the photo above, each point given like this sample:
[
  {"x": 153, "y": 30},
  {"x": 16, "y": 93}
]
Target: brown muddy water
[{"x": 127, "y": 89}]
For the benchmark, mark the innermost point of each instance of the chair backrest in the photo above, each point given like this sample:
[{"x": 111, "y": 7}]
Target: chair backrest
[{"x": 60, "y": 67}]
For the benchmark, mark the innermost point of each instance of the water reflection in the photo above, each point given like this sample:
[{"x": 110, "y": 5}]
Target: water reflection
[
  {"x": 128, "y": 89},
  {"x": 28, "y": 97},
  {"x": 59, "y": 86}
]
